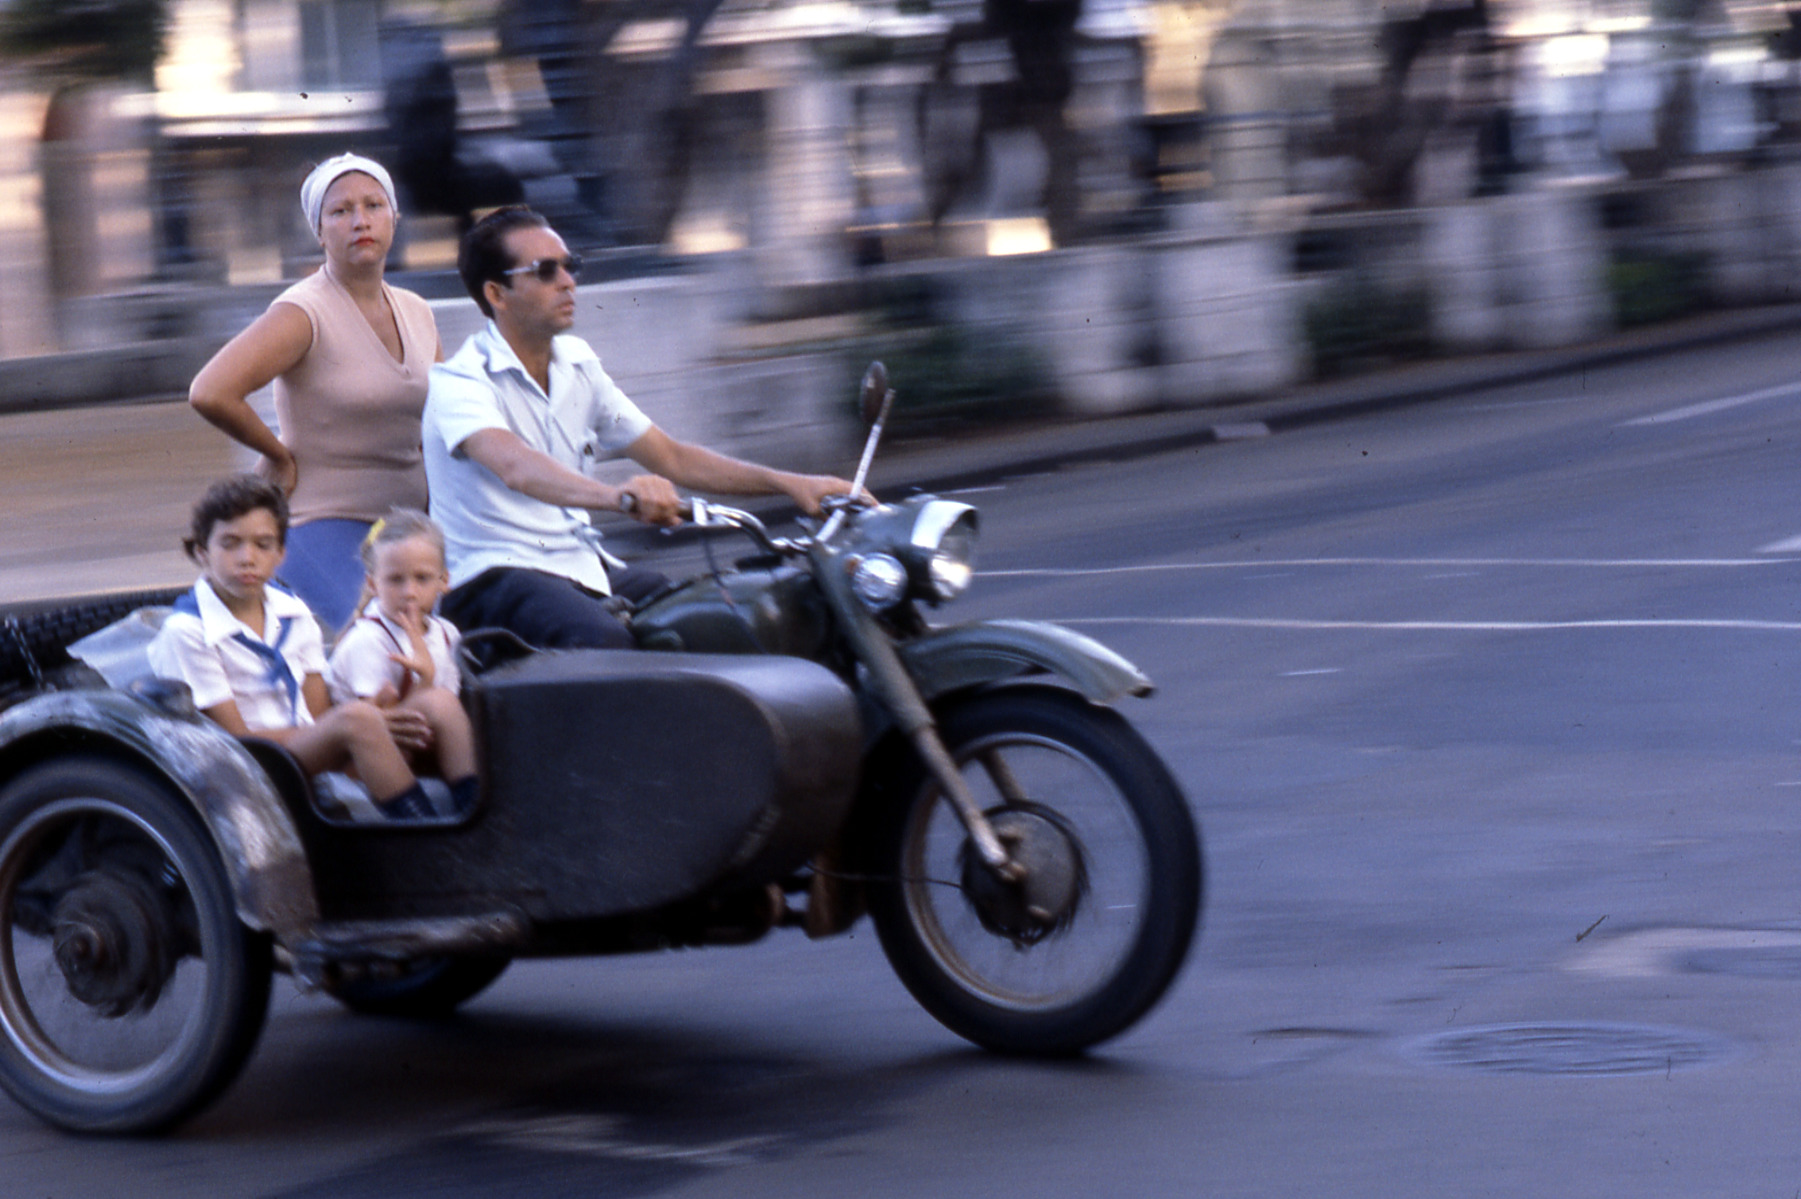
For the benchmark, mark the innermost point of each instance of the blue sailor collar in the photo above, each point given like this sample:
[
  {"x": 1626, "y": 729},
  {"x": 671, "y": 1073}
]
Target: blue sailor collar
[{"x": 217, "y": 624}]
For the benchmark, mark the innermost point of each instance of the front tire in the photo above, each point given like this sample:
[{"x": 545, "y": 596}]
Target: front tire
[
  {"x": 1109, "y": 828},
  {"x": 130, "y": 994}
]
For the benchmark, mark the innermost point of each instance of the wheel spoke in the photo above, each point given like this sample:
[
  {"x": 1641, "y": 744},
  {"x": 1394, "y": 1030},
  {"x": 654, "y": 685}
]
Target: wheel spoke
[{"x": 1002, "y": 776}]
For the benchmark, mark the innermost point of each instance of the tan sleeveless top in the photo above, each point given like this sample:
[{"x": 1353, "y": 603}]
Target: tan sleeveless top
[{"x": 349, "y": 411}]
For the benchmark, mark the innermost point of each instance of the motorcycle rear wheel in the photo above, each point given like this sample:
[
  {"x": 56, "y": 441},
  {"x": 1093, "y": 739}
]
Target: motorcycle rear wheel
[{"x": 1098, "y": 805}]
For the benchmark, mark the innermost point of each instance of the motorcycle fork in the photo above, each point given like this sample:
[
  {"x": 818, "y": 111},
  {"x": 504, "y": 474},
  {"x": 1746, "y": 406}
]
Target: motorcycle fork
[{"x": 894, "y": 687}]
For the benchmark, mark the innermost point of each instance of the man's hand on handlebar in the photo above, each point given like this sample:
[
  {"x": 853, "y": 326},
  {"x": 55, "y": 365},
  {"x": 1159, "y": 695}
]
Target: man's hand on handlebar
[
  {"x": 810, "y": 492},
  {"x": 653, "y": 500}
]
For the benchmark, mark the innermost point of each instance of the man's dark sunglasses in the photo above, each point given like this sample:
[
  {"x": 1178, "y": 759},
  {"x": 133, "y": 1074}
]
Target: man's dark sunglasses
[{"x": 546, "y": 268}]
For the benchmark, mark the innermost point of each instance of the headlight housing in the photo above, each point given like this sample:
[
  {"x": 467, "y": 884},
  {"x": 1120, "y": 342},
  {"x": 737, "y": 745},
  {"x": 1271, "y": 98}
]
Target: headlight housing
[
  {"x": 931, "y": 541},
  {"x": 943, "y": 549}
]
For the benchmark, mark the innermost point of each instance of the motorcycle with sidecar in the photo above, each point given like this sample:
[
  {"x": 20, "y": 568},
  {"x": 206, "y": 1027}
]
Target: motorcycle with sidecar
[{"x": 792, "y": 745}]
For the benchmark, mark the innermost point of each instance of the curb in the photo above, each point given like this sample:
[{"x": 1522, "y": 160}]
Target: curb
[{"x": 986, "y": 459}]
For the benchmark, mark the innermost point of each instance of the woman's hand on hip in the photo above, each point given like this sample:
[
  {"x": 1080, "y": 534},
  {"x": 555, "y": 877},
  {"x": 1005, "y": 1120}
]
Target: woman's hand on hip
[{"x": 283, "y": 472}]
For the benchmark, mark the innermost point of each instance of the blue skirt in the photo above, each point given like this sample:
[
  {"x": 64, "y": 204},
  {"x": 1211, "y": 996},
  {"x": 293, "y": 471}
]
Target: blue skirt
[{"x": 324, "y": 567}]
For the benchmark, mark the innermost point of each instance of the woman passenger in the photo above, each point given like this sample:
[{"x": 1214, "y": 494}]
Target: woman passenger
[{"x": 350, "y": 358}]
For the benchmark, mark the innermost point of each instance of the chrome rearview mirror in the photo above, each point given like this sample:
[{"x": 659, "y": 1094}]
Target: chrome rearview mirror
[{"x": 876, "y": 398}]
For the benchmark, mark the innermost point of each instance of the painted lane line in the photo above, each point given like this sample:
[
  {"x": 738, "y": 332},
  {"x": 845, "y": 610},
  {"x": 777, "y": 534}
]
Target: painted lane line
[
  {"x": 1658, "y": 951},
  {"x": 1435, "y": 626},
  {"x": 1299, "y": 674},
  {"x": 1709, "y": 407},
  {"x": 1787, "y": 545},
  {"x": 1529, "y": 563}
]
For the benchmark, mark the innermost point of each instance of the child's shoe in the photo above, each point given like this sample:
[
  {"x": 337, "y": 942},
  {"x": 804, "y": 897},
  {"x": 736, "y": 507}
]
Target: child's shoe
[
  {"x": 463, "y": 794},
  {"x": 411, "y": 804}
]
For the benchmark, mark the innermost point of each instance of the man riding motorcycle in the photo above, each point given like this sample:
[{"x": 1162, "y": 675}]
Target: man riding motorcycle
[{"x": 510, "y": 422}]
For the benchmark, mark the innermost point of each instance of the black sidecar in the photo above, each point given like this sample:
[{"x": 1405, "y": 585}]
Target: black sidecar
[{"x": 154, "y": 870}]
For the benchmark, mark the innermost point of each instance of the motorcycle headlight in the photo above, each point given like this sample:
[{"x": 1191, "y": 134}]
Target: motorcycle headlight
[
  {"x": 879, "y": 580},
  {"x": 949, "y": 575},
  {"x": 946, "y": 533}
]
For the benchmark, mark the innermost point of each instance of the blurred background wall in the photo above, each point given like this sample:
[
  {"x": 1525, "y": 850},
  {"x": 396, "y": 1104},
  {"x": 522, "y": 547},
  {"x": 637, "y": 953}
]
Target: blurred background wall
[{"x": 1036, "y": 206}]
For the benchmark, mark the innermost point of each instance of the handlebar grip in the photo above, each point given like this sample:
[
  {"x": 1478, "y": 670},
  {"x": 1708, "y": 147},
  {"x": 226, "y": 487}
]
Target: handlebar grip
[{"x": 628, "y": 504}]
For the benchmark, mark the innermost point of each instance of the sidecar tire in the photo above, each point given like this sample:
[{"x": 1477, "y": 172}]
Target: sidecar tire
[
  {"x": 150, "y": 882},
  {"x": 427, "y": 989},
  {"x": 1138, "y": 915}
]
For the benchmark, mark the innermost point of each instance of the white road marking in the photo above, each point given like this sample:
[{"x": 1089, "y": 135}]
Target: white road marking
[
  {"x": 1657, "y": 951},
  {"x": 1787, "y": 545},
  {"x": 1709, "y": 407},
  {"x": 1434, "y": 626},
  {"x": 1498, "y": 563},
  {"x": 1296, "y": 674}
]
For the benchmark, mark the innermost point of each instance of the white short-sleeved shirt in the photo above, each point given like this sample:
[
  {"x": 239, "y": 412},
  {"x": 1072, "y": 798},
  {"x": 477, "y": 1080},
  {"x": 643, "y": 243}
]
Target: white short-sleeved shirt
[
  {"x": 362, "y": 661},
  {"x": 584, "y": 419},
  {"x": 220, "y": 658}
]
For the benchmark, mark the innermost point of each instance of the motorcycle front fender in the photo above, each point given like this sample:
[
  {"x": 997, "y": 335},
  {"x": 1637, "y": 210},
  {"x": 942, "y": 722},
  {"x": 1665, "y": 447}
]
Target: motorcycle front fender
[
  {"x": 958, "y": 657},
  {"x": 258, "y": 843}
]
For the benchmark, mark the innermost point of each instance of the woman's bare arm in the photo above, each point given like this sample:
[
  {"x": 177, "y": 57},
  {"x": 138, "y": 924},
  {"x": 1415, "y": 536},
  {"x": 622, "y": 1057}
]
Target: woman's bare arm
[{"x": 273, "y": 344}]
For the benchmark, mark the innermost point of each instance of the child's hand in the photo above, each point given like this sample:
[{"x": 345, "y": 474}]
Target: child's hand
[
  {"x": 410, "y": 730},
  {"x": 417, "y": 660}
]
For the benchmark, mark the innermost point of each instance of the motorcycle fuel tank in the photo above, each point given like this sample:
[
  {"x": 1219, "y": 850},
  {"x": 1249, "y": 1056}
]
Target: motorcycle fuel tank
[{"x": 748, "y": 611}]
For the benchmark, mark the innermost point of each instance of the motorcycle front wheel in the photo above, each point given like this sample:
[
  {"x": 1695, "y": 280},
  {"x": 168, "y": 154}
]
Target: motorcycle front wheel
[{"x": 1081, "y": 948}]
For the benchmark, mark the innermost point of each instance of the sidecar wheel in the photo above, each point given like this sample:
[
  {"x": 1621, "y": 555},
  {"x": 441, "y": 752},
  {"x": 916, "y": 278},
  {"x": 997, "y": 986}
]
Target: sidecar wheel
[
  {"x": 425, "y": 989},
  {"x": 1105, "y": 919},
  {"x": 130, "y": 995}
]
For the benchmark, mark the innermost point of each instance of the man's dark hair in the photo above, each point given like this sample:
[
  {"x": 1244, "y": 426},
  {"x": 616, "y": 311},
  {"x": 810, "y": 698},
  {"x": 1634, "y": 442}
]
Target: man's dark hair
[
  {"x": 229, "y": 499},
  {"x": 483, "y": 256}
]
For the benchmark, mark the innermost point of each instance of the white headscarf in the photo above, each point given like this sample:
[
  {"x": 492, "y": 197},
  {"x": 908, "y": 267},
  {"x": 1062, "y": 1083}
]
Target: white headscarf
[{"x": 312, "y": 192}]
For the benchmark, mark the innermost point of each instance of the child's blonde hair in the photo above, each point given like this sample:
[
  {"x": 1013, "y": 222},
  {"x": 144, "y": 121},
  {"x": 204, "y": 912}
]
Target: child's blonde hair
[{"x": 400, "y": 524}]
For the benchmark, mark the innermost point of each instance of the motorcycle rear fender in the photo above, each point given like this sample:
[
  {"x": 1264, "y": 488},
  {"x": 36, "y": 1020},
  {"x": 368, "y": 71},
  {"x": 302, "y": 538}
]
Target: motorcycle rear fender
[
  {"x": 958, "y": 657},
  {"x": 271, "y": 882}
]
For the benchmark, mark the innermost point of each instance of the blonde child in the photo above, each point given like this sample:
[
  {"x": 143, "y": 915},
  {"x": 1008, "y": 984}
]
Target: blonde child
[
  {"x": 397, "y": 654},
  {"x": 253, "y": 658}
]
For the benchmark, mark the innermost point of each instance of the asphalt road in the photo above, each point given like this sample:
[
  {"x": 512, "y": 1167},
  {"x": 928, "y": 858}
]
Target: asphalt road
[{"x": 1487, "y": 710}]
